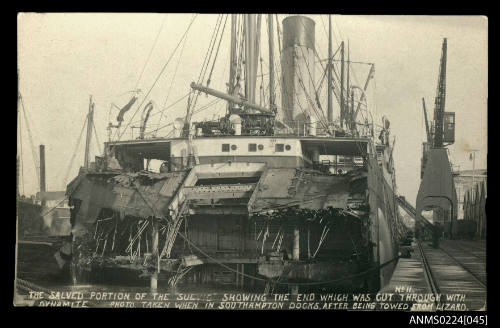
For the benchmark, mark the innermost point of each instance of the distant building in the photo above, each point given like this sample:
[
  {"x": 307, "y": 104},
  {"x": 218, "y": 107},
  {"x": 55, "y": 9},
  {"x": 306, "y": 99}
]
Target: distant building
[{"x": 464, "y": 182}]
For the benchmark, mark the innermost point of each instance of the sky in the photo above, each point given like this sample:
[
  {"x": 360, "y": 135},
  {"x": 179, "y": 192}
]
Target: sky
[{"x": 65, "y": 58}]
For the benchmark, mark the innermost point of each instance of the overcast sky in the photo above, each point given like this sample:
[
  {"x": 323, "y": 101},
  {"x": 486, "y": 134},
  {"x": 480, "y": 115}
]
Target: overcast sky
[{"x": 65, "y": 58}]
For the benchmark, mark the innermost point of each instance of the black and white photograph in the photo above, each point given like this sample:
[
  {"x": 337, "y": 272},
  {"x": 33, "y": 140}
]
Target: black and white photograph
[{"x": 252, "y": 162}]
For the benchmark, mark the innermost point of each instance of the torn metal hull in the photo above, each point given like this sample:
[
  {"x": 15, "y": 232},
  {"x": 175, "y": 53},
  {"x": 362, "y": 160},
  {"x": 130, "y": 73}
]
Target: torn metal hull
[{"x": 231, "y": 220}]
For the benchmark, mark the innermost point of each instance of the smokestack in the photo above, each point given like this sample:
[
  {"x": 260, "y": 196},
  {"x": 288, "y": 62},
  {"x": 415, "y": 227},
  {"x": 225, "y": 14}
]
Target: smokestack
[
  {"x": 42, "y": 174},
  {"x": 297, "y": 65}
]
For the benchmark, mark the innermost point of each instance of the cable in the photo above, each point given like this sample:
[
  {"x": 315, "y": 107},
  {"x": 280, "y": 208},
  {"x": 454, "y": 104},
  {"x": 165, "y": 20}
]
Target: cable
[
  {"x": 318, "y": 116},
  {"x": 74, "y": 153},
  {"x": 323, "y": 119},
  {"x": 150, "y": 52},
  {"x": 196, "y": 112},
  {"x": 171, "y": 84},
  {"x": 159, "y": 75},
  {"x": 203, "y": 71},
  {"x": 33, "y": 152},
  {"x": 96, "y": 138},
  {"x": 217, "y": 52},
  {"x": 53, "y": 208},
  {"x": 21, "y": 150},
  {"x": 169, "y": 106}
]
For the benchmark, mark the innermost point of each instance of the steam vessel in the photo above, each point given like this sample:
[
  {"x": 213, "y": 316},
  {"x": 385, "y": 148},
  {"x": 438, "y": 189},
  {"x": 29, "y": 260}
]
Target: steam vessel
[{"x": 266, "y": 197}]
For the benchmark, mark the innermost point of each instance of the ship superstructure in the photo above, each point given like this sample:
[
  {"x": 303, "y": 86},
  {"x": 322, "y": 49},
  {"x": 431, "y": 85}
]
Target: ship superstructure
[{"x": 264, "y": 197}]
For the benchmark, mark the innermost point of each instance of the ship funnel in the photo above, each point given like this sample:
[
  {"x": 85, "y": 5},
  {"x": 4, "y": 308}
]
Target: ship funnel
[{"x": 297, "y": 65}]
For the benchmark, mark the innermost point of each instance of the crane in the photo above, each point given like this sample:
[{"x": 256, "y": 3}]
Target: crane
[
  {"x": 437, "y": 191},
  {"x": 427, "y": 129},
  {"x": 440, "y": 100}
]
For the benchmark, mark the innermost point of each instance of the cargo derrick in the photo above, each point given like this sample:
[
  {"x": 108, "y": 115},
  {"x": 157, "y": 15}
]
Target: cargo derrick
[{"x": 263, "y": 197}]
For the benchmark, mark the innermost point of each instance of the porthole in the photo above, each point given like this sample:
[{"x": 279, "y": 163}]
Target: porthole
[
  {"x": 260, "y": 147},
  {"x": 288, "y": 147},
  {"x": 233, "y": 147}
]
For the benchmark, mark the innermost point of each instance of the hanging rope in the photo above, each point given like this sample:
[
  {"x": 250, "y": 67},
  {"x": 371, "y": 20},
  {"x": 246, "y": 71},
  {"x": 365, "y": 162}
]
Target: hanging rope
[
  {"x": 33, "y": 151},
  {"x": 217, "y": 52},
  {"x": 21, "y": 153},
  {"x": 56, "y": 206},
  {"x": 74, "y": 152},
  {"x": 169, "y": 106},
  {"x": 150, "y": 52},
  {"x": 314, "y": 89},
  {"x": 159, "y": 75},
  {"x": 171, "y": 84},
  {"x": 201, "y": 77},
  {"x": 196, "y": 112},
  {"x": 96, "y": 138}
]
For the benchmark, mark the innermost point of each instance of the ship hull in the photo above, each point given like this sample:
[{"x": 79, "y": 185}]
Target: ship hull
[{"x": 245, "y": 224}]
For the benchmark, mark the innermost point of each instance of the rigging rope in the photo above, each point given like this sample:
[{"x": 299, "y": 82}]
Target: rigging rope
[
  {"x": 21, "y": 152},
  {"x": 150, "y": 52},
  {"x": 33, "y": 151},
  {"x": 195, "y": 112},
  {"x": 171, "y": 84},
  {"x": 319, "y": 113},
  {"x": 217, "y": 51},
  {"x": 96, "y": 138},
  {"x": 314, "y": 88},
  {"x": 53, "y": 208},
  {"x": 201, "y": 77},
  {"x": 74, "y": 152},
  {"x": 325, "y": 71},
  {"x": 169, "y": 106},
  {"x": 323, "y": 68},
  {"x": 159, "y": 75}
]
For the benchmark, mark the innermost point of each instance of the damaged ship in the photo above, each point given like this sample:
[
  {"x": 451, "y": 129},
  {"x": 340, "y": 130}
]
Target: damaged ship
[{"x": 266, "y": 197}]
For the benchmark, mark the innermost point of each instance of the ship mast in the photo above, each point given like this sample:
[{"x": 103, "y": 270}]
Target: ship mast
[
  {"x": 363, "y": 95},
  {"x": 90, "y": 120},
  {"x": 252, "y": 30},
  {"x": 342, "y": 85},
  {"x": 252, "y": 40},
  {"x": 271, "y": 61},
  {"x": 330, "y": 84},
  {"x": 347, "y": 111},
  {"x": 232, "y": 64}
]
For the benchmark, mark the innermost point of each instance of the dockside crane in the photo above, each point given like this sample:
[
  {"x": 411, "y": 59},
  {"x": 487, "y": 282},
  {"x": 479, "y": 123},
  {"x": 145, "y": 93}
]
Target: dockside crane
[
  {"x": 444, "y": 122},
  {"x": 427, "y": 128},
  {"x": 437, "y": 189}
]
